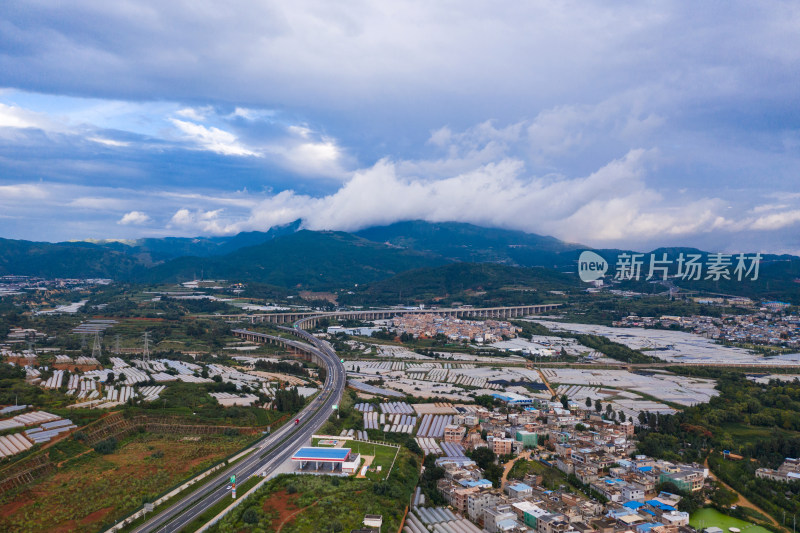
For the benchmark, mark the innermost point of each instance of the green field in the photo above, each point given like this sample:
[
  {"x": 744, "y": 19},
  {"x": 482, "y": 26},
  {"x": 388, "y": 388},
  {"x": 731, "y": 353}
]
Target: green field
[
  {"x": 708, "y": 517},
  {"x": 384, "y": 455}
]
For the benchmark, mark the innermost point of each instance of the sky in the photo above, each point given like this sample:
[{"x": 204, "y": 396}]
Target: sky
[{"x": 611, "y": 124}]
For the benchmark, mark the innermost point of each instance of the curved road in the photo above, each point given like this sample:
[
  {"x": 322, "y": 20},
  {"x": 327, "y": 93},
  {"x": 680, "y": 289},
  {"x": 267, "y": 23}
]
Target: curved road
[{"x": 267, "y": 454}]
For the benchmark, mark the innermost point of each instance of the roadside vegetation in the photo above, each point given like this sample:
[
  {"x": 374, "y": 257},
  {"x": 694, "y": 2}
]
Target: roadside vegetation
[
  {"x": 94, "y": 487},
  {"x": 306, "y": 503}
]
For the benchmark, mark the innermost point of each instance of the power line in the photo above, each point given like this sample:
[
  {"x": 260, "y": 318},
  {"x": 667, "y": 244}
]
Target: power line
[
  {"x": 96, "y": 346},
  {"x": 146, "y": 353}
]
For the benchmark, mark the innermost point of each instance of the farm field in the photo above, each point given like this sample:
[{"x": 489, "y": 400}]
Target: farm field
[
  {"x": 89, "y": 491},
  {"x": 709, "y": 517}
]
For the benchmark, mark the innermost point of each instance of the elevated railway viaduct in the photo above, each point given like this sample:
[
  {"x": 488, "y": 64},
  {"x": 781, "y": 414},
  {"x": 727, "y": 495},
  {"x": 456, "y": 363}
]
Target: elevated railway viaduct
[{"x": 310, "y": 319}]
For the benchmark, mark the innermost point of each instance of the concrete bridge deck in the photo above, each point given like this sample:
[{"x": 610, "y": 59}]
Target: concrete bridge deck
[{"x": 310, "y": 318}]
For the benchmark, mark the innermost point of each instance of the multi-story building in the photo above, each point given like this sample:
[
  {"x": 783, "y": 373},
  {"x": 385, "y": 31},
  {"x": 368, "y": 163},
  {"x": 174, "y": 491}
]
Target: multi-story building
[
  {"x": 503, "y": 446},
  {"x": 454, "y": 433},
  {"x": 553, "y": 523},
  {"x": 518, "y": 490},
  {"x": 632, "y": 492},
  {"x": 675, "y": 518},
  {"x": 499, "y": 519},
  {"x": 465, "y": 419},
  {"x": 788, "y": 471},
  {"x": 684, "y": 477},
  {"x": 527, "y": 438},
  {"x": 478, "y": 501},
  {"x": 586, "y": 474}
]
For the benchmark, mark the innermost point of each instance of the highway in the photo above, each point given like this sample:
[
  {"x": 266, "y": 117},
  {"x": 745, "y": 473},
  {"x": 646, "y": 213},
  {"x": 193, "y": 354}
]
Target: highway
[{"x": 267, "y": 454}]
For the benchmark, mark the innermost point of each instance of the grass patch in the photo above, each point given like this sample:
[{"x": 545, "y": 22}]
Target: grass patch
[
  {"x": 384, "y": 456},
  {"x": 755, "y": 432}
]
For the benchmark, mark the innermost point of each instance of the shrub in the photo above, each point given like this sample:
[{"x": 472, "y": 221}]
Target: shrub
[
  {"x": 250, "y": 516},
  {"x": 107, "y": 446}
]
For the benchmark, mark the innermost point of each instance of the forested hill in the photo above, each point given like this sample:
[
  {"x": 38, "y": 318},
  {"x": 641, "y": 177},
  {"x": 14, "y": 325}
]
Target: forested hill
[{"x": 290, "y": 257}]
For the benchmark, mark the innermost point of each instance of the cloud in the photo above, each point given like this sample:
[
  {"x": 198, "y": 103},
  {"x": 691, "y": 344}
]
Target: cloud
[
  {"x": 16, "y": 117},
  {"x": 337, "y": 115},
  {"x": 776, "y": 221},
  {"x": 134, "y": 218},
  {"x": 252, "y": 114},
  {"x": 206, "y": 222},
  {"x": 610, "y": 205},
  {"x": 109, "y": 142},
  {"x": 198, "y": 115},
  {"x": 101, "y": 203},
  {"x": 305, "y": 54},
  {"x": 322, "y": 158},
  {"x": 212, "y": 139},
  {"x": 22, "y": 191}
]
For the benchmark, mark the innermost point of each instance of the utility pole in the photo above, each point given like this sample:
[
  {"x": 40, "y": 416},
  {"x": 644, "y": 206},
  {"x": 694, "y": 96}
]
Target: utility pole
[
  {"x": 146, "y": 352},
  {"x": 96, "y": 348}
]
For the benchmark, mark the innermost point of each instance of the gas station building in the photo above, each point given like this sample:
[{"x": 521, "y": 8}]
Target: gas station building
[{"x": 316, "y": 460}]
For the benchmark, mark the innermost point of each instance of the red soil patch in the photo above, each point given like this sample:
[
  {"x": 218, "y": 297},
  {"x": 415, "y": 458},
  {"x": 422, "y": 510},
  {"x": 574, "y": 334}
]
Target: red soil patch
[
  {"x": 289, "y": 518},
  {"x": 72, "y": 366},
  {"x": 282, "y": 503},
  {"x": 66, "y": 527},
  {"x": 96, "y": 516},
  {"x": 13, "y": 506}
]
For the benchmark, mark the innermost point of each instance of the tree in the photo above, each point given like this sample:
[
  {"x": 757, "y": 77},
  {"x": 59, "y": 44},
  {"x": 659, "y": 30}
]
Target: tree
[
  {"x": 598, "y": 406},
  {"x": 250, "y": 516},
  {"x": 485, "y": 400},
  {"x": 483, "y": 457},
  {"x": 106, "y": 446},
  {"x": 621, "y": 415},
  {"x": 588, "y": 402},
  {"x": 642, "y": 417},
  {"x": 110, "y": 378},
  {"x": 565, "y": 401},
  {"x": 494, "y": 473}
]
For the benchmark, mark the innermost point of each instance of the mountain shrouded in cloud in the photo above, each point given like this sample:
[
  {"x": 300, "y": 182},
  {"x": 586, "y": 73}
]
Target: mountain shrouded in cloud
[{"x": 609, "y": 124}]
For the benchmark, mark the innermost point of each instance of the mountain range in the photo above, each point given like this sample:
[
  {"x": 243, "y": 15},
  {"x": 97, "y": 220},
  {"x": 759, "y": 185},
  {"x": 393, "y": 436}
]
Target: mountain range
[{"x": 291, "y": 257}]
